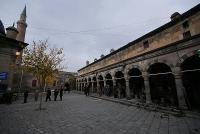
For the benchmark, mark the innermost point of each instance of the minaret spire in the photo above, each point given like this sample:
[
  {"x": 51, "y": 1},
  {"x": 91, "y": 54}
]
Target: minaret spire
[
  {"x": 21, "y": 26},
  {"x": 24, "y": 11}
]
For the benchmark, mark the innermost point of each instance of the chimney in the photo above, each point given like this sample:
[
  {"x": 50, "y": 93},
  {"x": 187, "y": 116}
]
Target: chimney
[
  {"x": 102, "y": 56},
  {"x": 175, "y": 15},
  {"x": 112, "y": 50},
  {"x": 87, "y": 62}
]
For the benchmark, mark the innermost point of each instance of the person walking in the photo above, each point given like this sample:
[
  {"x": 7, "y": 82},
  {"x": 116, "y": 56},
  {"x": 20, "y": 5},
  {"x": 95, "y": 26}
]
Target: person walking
[
  {"x": 25, "y": 96},
  {"x": 48, "y": 96},
  {"x": 61, "y": 93},
  {"x": 55, "y": 94}
]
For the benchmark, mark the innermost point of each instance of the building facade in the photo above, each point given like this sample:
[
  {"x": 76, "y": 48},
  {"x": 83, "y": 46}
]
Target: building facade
[
  {"x": 161, "y": 67},
  {"x": 11, "y": 46},
  {"x": 63, "y": 78}
]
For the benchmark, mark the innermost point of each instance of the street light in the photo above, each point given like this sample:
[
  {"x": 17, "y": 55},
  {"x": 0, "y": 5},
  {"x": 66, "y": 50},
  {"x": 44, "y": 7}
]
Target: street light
[{"x": 17, "y": 53}]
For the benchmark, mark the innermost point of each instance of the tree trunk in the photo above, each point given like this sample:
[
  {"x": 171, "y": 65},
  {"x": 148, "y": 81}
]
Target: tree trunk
[{"x": 41, "y": 92}]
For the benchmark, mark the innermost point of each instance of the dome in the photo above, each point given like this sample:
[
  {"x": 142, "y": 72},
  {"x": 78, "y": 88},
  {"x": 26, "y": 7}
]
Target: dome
[
  {"x": 2, "y": 30},
  {"x": 12, "y": 28},
  {"x": 12, "y": 32},
  {"x": 175, "y": 15}
]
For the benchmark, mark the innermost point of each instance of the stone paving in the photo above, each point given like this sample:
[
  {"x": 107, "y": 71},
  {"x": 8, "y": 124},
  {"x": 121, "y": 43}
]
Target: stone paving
[{"x": 78, "y": 114}]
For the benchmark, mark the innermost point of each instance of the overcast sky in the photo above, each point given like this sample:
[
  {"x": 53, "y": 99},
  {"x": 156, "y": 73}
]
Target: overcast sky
[{"x": 88, "y": 28}]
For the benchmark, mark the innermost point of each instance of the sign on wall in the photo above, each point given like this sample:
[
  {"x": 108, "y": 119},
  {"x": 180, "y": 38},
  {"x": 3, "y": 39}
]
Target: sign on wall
[{"x": 3, "y": 75}]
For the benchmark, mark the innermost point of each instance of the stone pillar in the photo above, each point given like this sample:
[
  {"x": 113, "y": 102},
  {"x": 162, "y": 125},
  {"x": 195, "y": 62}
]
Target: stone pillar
[
  {"x": 180, "y": 90},
  {"x": 82, "y": 85},
  {"x": 98, "y": 87},
  {"x": 128, "y": 96},
  {"x": 76, "y": 87},
  {"x": 104, "y": 82},
  {"x": 92, "y": 86},
  {"x": 114, "y": 82},
  {"x": 147, "y": 87}
]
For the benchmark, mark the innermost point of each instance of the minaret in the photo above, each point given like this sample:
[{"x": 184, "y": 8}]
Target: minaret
[{"x": 21, "y": 26}]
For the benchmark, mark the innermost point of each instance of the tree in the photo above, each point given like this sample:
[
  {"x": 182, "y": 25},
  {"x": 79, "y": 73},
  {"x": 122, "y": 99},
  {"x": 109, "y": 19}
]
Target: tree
[{"x": 43, "y": 62}]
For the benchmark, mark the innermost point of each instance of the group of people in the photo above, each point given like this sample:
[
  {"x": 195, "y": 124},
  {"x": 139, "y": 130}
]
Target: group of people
[
  {"x": 56, "y": 92},
  {"x": 48, "y": 94}
]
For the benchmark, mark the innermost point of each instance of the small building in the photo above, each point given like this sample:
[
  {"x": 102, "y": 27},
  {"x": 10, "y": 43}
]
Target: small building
[{"x": 11, "y": 46}]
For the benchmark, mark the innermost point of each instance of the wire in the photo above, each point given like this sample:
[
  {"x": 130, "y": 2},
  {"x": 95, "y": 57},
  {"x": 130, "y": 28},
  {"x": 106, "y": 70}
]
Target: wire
[{"x": 139, "y": 76}]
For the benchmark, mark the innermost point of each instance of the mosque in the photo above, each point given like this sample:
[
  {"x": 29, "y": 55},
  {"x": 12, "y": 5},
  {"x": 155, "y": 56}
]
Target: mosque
[{"x": 11, "y": 46}]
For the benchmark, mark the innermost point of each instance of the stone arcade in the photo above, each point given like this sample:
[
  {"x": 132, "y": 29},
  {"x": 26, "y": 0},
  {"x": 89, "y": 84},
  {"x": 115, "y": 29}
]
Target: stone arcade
[{"x": 161, "y": 67}]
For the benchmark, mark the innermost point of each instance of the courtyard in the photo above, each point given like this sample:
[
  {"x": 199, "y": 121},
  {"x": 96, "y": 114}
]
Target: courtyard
[{"x": 78, "y": 114}]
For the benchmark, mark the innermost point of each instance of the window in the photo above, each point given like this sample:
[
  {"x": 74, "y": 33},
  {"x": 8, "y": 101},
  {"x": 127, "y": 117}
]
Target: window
[
  {"x": 146, "y": 44},
  {"x": 34, "y": 83},
  {"x": 185, "y": 24},
  {"x": 186, "y": 34}
]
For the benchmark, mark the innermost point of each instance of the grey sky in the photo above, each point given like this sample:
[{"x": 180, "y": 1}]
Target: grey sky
[{"x": 88, "y": 28}]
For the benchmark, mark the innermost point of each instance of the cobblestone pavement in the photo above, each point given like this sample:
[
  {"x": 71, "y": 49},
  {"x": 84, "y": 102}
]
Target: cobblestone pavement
[{"x": 78, "y": 114}]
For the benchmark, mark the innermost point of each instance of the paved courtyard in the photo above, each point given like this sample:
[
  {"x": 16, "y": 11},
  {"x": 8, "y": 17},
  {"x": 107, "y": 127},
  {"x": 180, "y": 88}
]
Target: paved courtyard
[{"x": 78, "y": 114}]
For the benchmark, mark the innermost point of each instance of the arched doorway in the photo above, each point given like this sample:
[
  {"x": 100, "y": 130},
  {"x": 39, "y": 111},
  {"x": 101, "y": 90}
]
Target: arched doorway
[
  {"x": 101, "y": 84},
  {"x": 120, "y": 84},
  {"x": 136, "y": 83},
  {"x": 79, "y": 85},
  {"x": 86, "y": 83},
  {"x": 94, "y": 84},
  {"x": 191, "y": 81},
  {"x": 162, "y": 84},
  {"x": 90, "y": 84},
  {"x": 109, "y": 84}
]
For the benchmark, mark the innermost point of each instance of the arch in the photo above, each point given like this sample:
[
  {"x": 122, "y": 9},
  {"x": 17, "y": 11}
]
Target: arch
[
  {"x": 109, "y": 84},
  {"x": 120, "y": 89},
  {"x": 131, "y": 66},
  {"x": 162, "y": 84},
  {"x": 191, "y": 80},
  {"x": 89, "y": 81},
  {"x": 119, "y": 69},
  {"x": 185, "y": 56},
  {"x": 94, "y": 79},
  {"x": 101, "y": 82},
  {"x": 166, "y": 62},
  {"x": 136, "y": 83}
]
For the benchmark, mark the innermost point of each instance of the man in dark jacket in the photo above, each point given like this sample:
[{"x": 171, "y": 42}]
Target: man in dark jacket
[
  {"x": 55, "y": 94},
  {"x": 61, "y": 93},
  {"x": 48, "y": 96},
  {"x": 25, "y": 96}
]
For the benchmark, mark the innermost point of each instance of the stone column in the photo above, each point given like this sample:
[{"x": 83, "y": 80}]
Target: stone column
[
  {"x": 114, "y": 82},
  {"x": 76, "y": 86},
  {"x": 147, "y": 87},
  {"x": 92, "y": 86},
  {"x": 128, "y": 96},
  {"x": 104, "y": 82},
  {"x": 181, "y": 94},
  {"x": 98, "y": 87}
]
